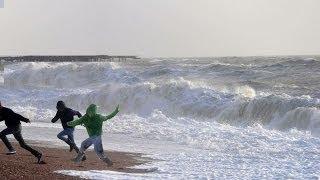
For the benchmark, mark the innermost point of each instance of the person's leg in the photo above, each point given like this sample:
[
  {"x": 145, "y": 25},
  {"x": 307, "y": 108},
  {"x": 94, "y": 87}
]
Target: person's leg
[
  {"x": 17, "y": 134},
  {"x": 84, "y": 146},
  {"x": 3, "y": 136},
  {"x": 71, "y": 140},
  {"x": 70, "y": 134},
  {"x": 23, "y": 144},
  {"x": 66, "y": 132},
  {"x": 98, "y": 148},
  {"x": 73, "y": 144},
  {"x": 62, "y": 134}
]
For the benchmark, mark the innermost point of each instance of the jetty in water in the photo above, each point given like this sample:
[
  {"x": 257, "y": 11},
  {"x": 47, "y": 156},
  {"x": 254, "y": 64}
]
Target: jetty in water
[{"x": 67, "y": 58}]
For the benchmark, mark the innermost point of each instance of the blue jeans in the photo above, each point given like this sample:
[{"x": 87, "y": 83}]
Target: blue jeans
[
  {"x": 66, "y": 132},
  {"x": 98, "y": 148},
  {"x": 70, "y": 140}
]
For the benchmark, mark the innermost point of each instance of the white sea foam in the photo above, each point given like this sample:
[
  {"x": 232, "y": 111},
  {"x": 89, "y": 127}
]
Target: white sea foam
[
  {"x": 107, "y": 86},
  {"x": 201, "y": 127},
  {"x": 1, "y": 78},
  {"x": 63, "y": 75}
]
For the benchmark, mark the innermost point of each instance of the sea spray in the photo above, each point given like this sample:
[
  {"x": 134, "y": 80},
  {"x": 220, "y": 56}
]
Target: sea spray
[
  {"x": 224, "y": 118},
  {"x": 107, "y": 84}
]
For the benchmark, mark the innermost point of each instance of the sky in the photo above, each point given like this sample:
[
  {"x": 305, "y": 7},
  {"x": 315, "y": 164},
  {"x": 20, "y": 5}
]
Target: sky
[{"x": 160, "y": 28}]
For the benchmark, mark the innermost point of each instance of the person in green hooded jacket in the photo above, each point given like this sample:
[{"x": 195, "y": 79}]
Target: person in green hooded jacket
[{"x": 93, "y": 123}]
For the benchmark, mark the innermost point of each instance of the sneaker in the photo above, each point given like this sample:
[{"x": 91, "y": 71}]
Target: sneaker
[
  {"x": 79, "y": 158},
  {"x": 39, "y": 158},
  {"x": 10, "y": 152},
  {"x": 108, "y": 161},
  {"x": 84, "y": 158},
  {"x": 71, "y": 145}
]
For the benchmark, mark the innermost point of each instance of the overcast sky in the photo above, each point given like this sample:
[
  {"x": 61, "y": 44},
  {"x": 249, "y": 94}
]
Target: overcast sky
[{"x": 164, "y": 28}]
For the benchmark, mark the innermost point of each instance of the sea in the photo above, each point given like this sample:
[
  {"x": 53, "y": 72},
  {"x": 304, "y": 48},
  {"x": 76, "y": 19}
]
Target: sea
[{"x": 197, "y": 118}]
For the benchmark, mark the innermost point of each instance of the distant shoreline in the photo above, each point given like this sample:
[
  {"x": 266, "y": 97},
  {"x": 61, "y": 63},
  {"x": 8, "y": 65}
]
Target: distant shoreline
[
  {"x": 70, "y": 58},
  {"x": 93, "y": 58}
]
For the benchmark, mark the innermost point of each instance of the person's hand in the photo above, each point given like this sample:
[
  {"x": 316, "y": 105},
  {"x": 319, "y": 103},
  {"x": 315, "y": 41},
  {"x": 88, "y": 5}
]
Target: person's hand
[{"x": 28, "y": 121}]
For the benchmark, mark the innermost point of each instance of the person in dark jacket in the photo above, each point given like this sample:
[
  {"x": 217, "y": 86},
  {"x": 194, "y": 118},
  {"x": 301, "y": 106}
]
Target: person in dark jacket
[
  {"x": 12, "y": 121},
  {"x": 66, "y": 115}
]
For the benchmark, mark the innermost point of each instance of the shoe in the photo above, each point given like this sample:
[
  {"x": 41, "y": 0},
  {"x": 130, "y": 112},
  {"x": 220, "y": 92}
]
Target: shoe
[
  {"x": 79, "y": 158},
  {"x": 10, "y": 152},
  {"x": 108, "y": 161},
  {"x": 84, "y": 158},
  {"x": 110, "y": 164},
  {"x": 39, "y": 158},
  {"x": 71, "y": 145}
]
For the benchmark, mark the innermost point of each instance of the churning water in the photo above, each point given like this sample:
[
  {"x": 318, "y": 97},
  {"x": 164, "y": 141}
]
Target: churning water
[{"x": 250, "y": 117}]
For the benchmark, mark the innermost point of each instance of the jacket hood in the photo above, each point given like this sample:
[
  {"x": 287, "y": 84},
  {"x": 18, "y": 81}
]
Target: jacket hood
[
  {"x": 61, "y": 105},
  {"x": 91, "y": 110}
]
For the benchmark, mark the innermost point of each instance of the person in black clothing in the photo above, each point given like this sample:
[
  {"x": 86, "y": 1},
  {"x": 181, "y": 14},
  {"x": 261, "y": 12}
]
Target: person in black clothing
[
  {"x": 66, "y": 114},
  {"x": 12, "y": 121}
]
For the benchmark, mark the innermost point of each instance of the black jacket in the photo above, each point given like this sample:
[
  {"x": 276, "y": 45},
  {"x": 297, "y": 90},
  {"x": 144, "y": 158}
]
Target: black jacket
[
  {"x": 65, "y": 116},
  {"x": 11, "y": 118}
]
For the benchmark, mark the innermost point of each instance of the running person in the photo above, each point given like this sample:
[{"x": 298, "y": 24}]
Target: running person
[
  {"x": 12, "y": 121},
  {"x": 93, "y": 123},
  {"x": 66, "y": 115}
]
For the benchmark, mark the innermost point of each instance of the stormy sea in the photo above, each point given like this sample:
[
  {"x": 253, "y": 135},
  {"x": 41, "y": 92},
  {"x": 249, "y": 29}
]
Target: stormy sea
[{"x": 198, "y": 118}]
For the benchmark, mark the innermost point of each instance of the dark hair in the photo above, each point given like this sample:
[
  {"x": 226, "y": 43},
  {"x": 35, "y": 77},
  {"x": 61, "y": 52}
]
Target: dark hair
[{"x": 61, "y": 104}]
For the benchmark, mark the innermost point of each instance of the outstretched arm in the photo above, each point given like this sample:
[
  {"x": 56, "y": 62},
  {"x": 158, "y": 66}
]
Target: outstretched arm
[
  {"x": 19, "y": 117},
  {"x": 26, "y": 120},
  {"x": 115, "y": 112},
  {"x": 56, "y": 117},
  {"x": 76, "y": 122},
  {"x": 77, "y": 113}
]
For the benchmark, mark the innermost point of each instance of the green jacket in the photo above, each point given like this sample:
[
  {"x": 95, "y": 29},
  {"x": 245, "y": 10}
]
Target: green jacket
[{"x": 93, "y": 121}]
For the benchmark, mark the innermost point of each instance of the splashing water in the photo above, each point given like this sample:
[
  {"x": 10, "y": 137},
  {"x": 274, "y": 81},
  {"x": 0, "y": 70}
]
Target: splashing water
[{"x": 251, "y": 117}]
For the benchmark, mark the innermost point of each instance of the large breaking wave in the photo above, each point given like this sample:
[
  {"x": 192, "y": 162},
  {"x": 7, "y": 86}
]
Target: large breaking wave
[{"x": 145, "y": 91}]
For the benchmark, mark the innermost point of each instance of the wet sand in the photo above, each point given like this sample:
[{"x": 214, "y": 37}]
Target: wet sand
[{"x": 23, "y": 165}]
